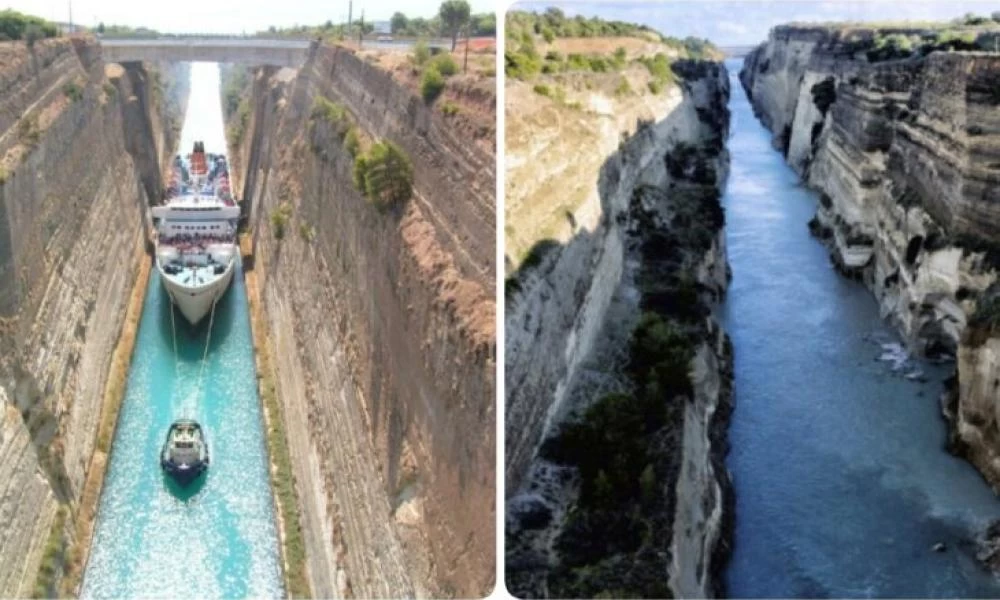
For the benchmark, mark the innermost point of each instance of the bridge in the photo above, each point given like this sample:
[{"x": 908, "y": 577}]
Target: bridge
[{"x": 248, "y": 51}]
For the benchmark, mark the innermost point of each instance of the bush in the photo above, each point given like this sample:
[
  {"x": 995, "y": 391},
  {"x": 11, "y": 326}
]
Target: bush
[
  {"x": 18, "y": 26},
  {"x": 421, "y": 53},
  {"x": 449, "y": 108},
  {"x": 623, "y": 89},
  {"x": 431, "y": 85},
  {"x": 655, "y": 87},
  {"x": 352, "y": 143},
  {"x": 109, "y": 90},
  {"x": 333, "y": 113},
  {"x": 523, "y": 63},
  {"x": 279, "y": 219},
  {"x": 306, "y": 232},
  {"x": 542, "y": 90},
  {"x": 27, "y": 130},
  {"x": 444, "y": 64},
  {"x": 73, "y": 91},
  {"x": 384, "y": 175}
]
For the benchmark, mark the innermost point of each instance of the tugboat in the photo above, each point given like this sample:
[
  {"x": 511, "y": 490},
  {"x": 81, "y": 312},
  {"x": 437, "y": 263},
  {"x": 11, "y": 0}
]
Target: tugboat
[{"x": 185, "y": 453}]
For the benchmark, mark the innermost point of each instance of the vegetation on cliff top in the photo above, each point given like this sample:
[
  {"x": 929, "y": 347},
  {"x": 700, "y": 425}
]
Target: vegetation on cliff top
[{"x": 19, "y": 26}]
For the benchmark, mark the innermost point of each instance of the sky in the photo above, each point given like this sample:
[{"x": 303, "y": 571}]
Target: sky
[
  {"x": 746, "y": 22},
  {"x": 225, "y": 16}
]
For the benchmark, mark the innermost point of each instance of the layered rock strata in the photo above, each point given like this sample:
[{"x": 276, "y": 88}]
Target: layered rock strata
[
  {"x": 73, "y": 191},
  {"x": 906, "y": 155},
  {"x": 647, "y": 228},
  {"x": 382, "y": 322}
]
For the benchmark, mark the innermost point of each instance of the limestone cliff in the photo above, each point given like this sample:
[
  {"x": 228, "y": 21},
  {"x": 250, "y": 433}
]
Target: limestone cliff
[
  {"x": 382, "y": 322},
  {"x": 905, "y": 152},
  {"x": 72, "y": 196},
  {"x": 633, "y": 181}
]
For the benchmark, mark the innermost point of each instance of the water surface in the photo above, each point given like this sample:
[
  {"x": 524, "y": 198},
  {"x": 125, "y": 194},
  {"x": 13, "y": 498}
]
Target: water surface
[
  {"x": 842, "y": 483},
  {"x": 213, "y": 540}
]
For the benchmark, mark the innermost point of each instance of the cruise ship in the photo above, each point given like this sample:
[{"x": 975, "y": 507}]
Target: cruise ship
[{"x": 196, "y": 233}]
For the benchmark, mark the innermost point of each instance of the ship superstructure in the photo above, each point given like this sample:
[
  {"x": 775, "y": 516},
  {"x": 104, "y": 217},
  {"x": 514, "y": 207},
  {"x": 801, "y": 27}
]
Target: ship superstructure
[{"x": 196, "y": 233}]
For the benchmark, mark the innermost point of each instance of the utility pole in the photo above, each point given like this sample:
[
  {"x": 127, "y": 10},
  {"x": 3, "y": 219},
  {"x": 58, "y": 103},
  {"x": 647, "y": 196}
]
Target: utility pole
[
  {"x": 350, "y": 9},
  {"x": 361, "y": 29},
  {"x": 465, "y": 67},
  {"x": 70, "y": 2}
]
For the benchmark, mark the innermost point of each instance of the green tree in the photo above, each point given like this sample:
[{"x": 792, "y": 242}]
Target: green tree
[
  {"x": 398, "y": 22},
  {"x": 100, "y": 28},
  {"x": 454, "y": 16},
  {"x": 484, "y": 24}
]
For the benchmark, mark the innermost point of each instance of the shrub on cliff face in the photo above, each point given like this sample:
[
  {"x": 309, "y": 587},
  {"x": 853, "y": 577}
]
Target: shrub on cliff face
[
  {"x": 333, "y": 113},
  {"x": 431, "y": 85},
  {"x": 625, "y": 447},
  {"x": 384, "y": 175},
  {"x": 279, "y": 219},
  {"x": 73, "y": 91}
]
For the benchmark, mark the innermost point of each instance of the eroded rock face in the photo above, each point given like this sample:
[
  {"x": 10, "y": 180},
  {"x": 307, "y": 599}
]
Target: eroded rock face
[
  {"x": 905, "y": 155},
  {"x": 71, "y": 227},
  {"x": 382, "y": 323},
  {"x": 569, "y": 320}
]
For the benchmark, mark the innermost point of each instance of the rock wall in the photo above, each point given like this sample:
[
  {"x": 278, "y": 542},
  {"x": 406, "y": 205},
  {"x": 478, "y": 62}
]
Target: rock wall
[
  {"x": 906, "y": 155},
  {"x": 71, "y": 206},
  {"x": 383, "y": 328},
  {"x": 569, "y": 319}
]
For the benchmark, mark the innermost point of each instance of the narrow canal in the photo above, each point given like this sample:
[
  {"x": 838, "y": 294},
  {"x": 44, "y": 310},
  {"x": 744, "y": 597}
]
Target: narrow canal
[
  {"x": 842, "y": 483},
  {"x": 218, "y": 539}
]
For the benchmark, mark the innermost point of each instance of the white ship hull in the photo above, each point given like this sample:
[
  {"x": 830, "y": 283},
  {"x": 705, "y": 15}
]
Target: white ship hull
[{"x": 196, "y": 302}]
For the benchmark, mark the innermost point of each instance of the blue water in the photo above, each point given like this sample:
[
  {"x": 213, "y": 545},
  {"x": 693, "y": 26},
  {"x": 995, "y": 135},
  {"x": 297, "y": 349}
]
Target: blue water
[
  {"x": 842, "y": 484},
  {"x": 216, "y": 539}
]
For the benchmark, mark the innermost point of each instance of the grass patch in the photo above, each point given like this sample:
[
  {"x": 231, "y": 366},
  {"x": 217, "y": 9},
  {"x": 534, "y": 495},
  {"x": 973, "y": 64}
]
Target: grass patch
[
  {"x": 542, "y": 90},
  {"x": 623, "y": 89},
  {"x": 449, "y": 108},
  {"x": 47, "y": 579}
]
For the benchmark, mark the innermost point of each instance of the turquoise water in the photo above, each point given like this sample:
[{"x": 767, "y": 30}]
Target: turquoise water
[
  {"x": 216, "y": 538},
  {"x": 841, "y": 478}
]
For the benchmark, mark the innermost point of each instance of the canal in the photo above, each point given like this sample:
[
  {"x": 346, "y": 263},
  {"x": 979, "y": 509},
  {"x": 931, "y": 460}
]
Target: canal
[
  {"x": 842, "y": 484},
  {"x": 217, "y": 539}
]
